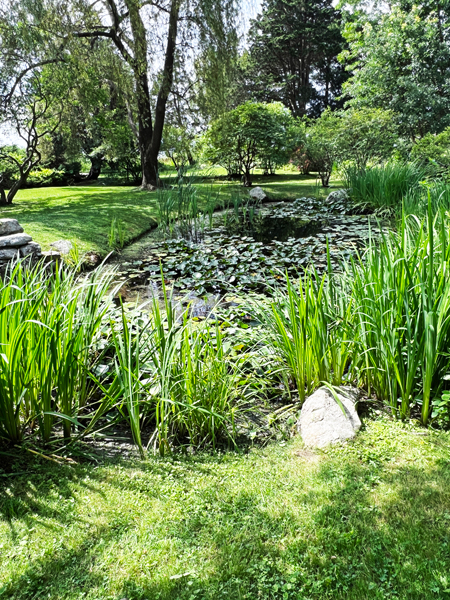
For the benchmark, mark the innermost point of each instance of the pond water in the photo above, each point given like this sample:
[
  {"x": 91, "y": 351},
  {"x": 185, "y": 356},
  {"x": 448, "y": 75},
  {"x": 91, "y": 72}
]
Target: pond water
[{"x": 247, "y": 251}]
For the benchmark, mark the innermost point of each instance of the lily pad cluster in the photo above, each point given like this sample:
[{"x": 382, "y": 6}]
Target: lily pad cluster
[{"x": 225, "y": 261}]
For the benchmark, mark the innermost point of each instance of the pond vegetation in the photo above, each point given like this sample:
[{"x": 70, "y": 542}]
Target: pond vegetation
[{"x": 243, "y": 311}]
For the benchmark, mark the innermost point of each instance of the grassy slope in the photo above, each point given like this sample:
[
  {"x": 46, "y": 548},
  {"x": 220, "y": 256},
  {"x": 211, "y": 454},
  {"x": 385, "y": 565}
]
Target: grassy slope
[
  {"x": 83, "y": 214},
  {"x": 369, "y": 521}
]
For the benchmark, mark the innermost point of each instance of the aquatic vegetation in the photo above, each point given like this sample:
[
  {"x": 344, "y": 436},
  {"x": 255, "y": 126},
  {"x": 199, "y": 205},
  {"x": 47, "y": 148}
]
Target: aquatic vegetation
[
  {"x": 254, "y": 256},
  {"x": 351, "y": 303},
  {"x": 50, "y": 323},
  {"x": 383, "y": 323}
]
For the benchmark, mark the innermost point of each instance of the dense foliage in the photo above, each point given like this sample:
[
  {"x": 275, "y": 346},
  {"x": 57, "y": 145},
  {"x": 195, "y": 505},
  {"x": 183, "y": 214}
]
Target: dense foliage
[
  {"x": 399, "y": 60},
  {"x": 252, "y": 134},
  {"x": 292, "y": 56}
]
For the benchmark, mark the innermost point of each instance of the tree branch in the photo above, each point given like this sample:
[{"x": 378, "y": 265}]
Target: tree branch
[{"x": 7, "y": 98}]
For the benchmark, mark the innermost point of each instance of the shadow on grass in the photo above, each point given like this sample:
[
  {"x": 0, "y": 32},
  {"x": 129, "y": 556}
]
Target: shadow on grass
[{"x": 364, "y": 529}]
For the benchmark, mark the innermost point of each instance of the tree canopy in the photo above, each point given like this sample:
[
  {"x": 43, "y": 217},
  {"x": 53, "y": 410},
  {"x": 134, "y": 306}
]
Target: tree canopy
[
  {"x": 399, "y": 59},
  {"x": 293, "y": 49},
  {"x": 252, "y": 134}
]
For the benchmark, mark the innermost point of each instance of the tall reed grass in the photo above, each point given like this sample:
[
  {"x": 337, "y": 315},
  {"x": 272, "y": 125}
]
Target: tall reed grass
[
  {"x": 384, "y": 186},
  {"x": 49, "y": 323},
  {"x": 383, "y": 323},
  {"x": 435, "y": 193},
  {"x": 165, "y": 375},
  {"x": 181, "y": 212}
]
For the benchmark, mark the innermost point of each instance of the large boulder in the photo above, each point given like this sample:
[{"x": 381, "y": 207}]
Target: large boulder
[
  {"x": 258, "y": 194},
  {"x": 16, "y": 239},
  {"x": 323, "y": 421},
  {"x": 10, "y": 226}
]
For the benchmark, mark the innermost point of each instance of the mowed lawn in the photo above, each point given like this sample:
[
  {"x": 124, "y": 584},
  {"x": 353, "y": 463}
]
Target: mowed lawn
[
  {"x": 370, "y": 520},
  {"x": 83, "y": 214}
]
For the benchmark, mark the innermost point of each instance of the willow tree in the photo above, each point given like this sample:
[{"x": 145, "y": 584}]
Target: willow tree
[{"x": 149, "y": 36}]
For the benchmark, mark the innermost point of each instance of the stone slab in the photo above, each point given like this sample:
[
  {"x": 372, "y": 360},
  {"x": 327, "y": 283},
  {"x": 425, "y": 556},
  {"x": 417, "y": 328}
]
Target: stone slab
[
  {"x": 31, "y": 248},
  {"x": 16, "y": 239},
  {"x": 10, "y": 226},
  {"x": 51, "y": 256},
  {"x": 7, "y": 254}
]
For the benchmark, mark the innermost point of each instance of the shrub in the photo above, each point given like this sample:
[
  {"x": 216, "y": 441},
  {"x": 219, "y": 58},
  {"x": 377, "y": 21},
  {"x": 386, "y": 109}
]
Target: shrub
[
  {"x": 322, "y": 144},
  {"x": 366, "y": 135},
  {"x": 251, "y": 134},
  {"x": 433, "y": 151}
]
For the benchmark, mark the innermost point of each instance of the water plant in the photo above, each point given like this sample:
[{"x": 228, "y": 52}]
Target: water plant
[
  {"x": 59, "y": 331},
  {"x": 49, "y": 324},
  {"x": 180, "y": 212},
  {"x": 401, "y": 294},
  {"x": 383, "y": 322},
  {"x": 307, "y": 323},
  {"x": 116, "y": 236}
]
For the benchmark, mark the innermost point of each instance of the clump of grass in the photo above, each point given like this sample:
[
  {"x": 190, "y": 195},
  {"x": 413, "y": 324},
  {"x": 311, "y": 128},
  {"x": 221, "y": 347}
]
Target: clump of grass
[
  {"x": 307, "y": 325},
  {"x": 49, "y": 324},
  {"x": 180, "y": 212},
  {"x": 384, "y": 187},
  {"x": 435, "y": 192},
  {"x": 116, "y": 236},
  {"x": 180, "y": 377},
  {"x": 401, "y": 294},
  {"x": 57, "y": 330}
]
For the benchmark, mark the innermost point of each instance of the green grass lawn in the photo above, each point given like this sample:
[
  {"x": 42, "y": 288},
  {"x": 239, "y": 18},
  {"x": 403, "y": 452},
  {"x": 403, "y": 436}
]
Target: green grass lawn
[
  {"x": 83, "y": 214},
  {"x": 370, "y": 520}
]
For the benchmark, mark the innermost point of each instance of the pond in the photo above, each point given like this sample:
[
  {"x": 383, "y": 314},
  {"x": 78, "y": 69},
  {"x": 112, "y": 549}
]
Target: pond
[{"x": 247, "y": 251}]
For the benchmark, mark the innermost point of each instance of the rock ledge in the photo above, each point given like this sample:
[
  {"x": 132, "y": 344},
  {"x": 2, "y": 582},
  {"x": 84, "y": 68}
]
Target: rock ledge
[{"x": 15, "y": 244}]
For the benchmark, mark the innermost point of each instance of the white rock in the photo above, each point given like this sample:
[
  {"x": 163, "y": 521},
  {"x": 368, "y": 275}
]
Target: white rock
[
  {"x": 17, "y": 239},
  {"x": 62, "y": 246},
  {"x": 258, "y": 193},
  {"x": 337, "y": 195},
  {"x": 10, "y": 226},
  {"x": 323, "y": 422}
]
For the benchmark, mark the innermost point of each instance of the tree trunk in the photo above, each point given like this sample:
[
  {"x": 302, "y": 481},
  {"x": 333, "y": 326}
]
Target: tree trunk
[
  {"x": 150, "y": 166},
  {"x": 149, "y": 131},
  {"x": 150, "y": 179},
  {"x": 325, "y": 177},
  {"x": 3, "y": 198},
  {"x": 247, "y": 178},
  {"x": 190, "y": 158},
  {"x": 96, "y": 168},
  {"x": 6, "y": 199}
]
